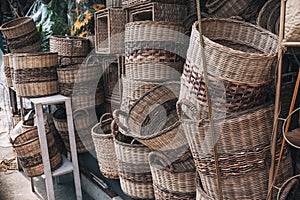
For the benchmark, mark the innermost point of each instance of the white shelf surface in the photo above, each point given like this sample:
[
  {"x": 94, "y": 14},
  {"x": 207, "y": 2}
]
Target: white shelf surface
[
  {"x": 65, "y": 168},
  {"x": 54, "y": 99}
]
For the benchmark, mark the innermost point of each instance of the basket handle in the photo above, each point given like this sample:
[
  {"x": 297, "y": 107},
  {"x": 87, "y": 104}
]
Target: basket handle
[
  {"x": 105, "y": 118},
  {"x": 160, "y": 160},
  {"x": 78, "y": 112},
  {"x": 63, "y": 57},
  {"x": 116, "y": 114},
  {"x": 88, "y": 59},
  {"x": 188, "y": 104}
]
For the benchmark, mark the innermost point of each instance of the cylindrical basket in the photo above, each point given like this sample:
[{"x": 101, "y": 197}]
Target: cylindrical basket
[
  {"x": 236, "y": 51},
  {"x": 113, "y": 3},
  {"x": 35, "y": 74},
  {"x": 171, "y": 182},
  {"x": 133, "y": 166},
  {"x": 104, "y": 146},
  {"x": 7, "y": 69},
  {"x": 70, "y": 46},
  {"x": 22, "y": 35},
  {"x": 28, "y": 150}
]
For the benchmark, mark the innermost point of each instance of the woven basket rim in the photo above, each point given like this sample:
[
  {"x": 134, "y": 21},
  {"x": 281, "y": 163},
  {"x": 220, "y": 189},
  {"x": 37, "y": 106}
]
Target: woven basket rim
[
  {"x": 266, "y": 6},
  {"x": 33, "y": 54},
  {"x": 152, "y": 23},
  {"x": 23, "y": 20},
  {"x": 67, "y": 38},
  {"x": 29, "y": 141},
  {"x": 237, "y": 53}
]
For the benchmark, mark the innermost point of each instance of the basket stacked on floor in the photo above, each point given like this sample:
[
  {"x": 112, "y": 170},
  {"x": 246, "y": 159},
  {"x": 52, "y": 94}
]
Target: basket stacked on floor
[{"x": 240, "y": 65}]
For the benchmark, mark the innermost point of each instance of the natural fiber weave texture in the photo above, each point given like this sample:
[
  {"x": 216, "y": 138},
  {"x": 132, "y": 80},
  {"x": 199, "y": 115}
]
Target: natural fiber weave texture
[
  {"x": 30, "y": 42},
  {"x": 109, "y": 37},
  {"x": 28, "y": 149},
  {"x": 104, "y": 146},
  {"x": 292, "y": 20},
  {"x": 35, "y": 74},
  {"x": 113, "y": 3},
  {"x": 7, "y": 69},
  {"x": 128, "y": 3},
  {"x": 133, "y": 166},
  {"x": 156, "y": 11},
  {"x": 69, "y": 46},
  {"x": 249, "y": 60},
  {"x": 18, "y": 27},
  {"x": 268, "y": 16}
]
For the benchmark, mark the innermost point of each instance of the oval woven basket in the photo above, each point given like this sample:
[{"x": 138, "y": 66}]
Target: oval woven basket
[
  {"x": 7, "y": 69},
  {"x": 18, "y": 27},
  {"x": 133, "y": 166},
  {"x": 153, "y": 120},
  {"x": 227, "y": 8},
  {"x": 84, "y": 142},
  {"x": 236, "y": 51},
  {"x": 28, "y": 150},
  {"x": 70, "y": 46},
  {"x": 104, "y": 146},
  {"x": 171, "y": 182},
  {"x": 269, "y": 15},
  {"x": 35, "y": 74}
]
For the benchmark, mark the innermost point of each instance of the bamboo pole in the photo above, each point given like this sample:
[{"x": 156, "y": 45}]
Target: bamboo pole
[
  {"x": 210, "y": 117},
  {"x": 277, "y": 99}
]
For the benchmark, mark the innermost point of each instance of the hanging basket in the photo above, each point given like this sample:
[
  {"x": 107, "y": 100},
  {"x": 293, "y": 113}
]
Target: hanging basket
[
  {"x": 69, "y": 46},
  {"x": 28, "y": 150},
  {"x": 104, "y": 146},
  {"x": 133, "y": 166},
  {"x": 172, "y": 182},
  {"x": 235, "y": 51},
  {"x": 35, "y": 74}
]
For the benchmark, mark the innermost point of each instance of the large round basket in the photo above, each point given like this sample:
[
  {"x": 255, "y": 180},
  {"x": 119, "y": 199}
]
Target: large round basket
[
  {"x": 133, "y": 166},
  {"x": 104, "y": 146},
  {"x": 70, "y": 46},
  {"x": 235, "y": 51},
  {"x": 171, "y": 182},
  {"x": 22, "y": 35},
  {"x": 35, "y": 74},
  {"x": 28, "y": 150}
]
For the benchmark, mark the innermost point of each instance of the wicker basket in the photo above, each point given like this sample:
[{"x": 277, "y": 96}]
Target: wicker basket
[
  {"x": 227, "y": 8},
  {"x": 155, "y": 35},
  {"x": 69, "y": 46},
  {"x": 84, "y": 142},
  {"x": 200, "y": 194},
  {"x": 7, "y": 69},
  {"x": 171, "y": 182},
  {"x": 28, "y": 150},
  {"x": 130, "y": 3},
  {"x": 226, "y": 96},
  {"x": 113, "y": 3},
  {"x": 104, "y": 146},
  {"x": 35, "y": 74},
  {"x": 109, "y": 35},
  {"x": 253, "y": 127},
  {"x": 268, "y": 16},
  {"x": 133, "y": 166},
  {"x": 156, "y": 11},
  {"x": 236, "y": 51},
  {"x": 22, "y": 35}
]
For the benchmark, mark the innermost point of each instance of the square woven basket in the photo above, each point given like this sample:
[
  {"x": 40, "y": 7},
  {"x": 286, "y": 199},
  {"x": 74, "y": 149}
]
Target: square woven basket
[{"x": 109, "y": 31}]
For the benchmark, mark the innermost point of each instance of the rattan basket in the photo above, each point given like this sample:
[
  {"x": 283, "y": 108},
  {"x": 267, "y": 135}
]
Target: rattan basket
[
  {"x": 22, "y": 35},
  {"x": 113, "y": 3},
  {"x": 236, "y": 51},
  {"x": 133, "y": 166},
  {"x": 84, "y": 142},
  {"x": 171, "y": 182},
  {"x": 104, "y": 146},
  {"x": 200, "y": 194},
  {"x": 69, "y": 46},
  {"x": 227, "y": 8},
  {"x": 156, "y": 11},
  {"x": 28, "y": 150},
  {"x": 129, "y": 3},
  {"x": 109, "y": 37},
  {"x": 35, "y": 74},
  {"x": 268, "y": 16},
  {"x": 7, "y": 69}
]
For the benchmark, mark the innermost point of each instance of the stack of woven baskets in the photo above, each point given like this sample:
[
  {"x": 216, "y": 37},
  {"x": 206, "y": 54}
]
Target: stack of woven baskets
[{"x": 240, "y": 66}]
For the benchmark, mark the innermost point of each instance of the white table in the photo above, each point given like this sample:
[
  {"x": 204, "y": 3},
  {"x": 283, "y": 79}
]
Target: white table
[{"x": 67, "y": 166}]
